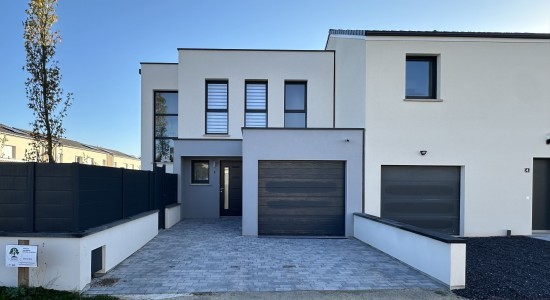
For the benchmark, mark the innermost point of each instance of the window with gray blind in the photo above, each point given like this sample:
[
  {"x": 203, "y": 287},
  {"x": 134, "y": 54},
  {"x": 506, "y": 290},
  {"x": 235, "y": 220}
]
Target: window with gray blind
[
  {"x": 255, "y": 104},
  {"x": 295, "y": 104},
  {"x": 216, "y": 107}
]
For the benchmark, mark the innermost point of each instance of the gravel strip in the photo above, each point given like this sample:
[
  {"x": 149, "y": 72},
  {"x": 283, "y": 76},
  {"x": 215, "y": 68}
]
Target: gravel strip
[{"x": 507, "y": 268}]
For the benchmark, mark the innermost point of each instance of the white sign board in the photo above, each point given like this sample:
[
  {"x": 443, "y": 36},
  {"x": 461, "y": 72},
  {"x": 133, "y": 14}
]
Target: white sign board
[{"x": 21, "y": 256}]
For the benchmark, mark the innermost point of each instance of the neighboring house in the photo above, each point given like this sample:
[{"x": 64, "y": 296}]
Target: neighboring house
[
  {"x": 14, "y": 142},
  {"x": 443, "y": 130}
]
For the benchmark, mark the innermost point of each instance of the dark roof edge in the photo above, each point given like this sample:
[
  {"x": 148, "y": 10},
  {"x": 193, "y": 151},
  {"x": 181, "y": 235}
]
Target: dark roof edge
[{"x": 435, "y": 33}]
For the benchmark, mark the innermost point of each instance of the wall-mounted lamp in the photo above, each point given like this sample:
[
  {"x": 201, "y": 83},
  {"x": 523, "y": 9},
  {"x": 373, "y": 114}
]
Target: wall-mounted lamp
[{"x": 423, "y": 152}]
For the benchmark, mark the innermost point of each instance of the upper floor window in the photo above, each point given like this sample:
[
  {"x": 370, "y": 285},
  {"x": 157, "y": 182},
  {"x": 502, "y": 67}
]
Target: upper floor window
[
  {"x": 295, "y": 104},
  {"x": 166, "y": 125},
  {"x": 216, "y": 107},
  {"x": 255, "y": 104},
  {"x": 421, "y": 77}
]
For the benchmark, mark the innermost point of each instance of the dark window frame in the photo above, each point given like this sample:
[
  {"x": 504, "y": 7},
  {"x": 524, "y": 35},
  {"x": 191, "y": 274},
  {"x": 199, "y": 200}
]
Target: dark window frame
[
  {"x": 197, "y": 181},
  {"x": 432, "y": 80},
  {"x": 155, "y": 138},
  {"x": 246, "y": 110},
  {"x": 304, "y": 111},
  {"x": 206, "y": 110}
]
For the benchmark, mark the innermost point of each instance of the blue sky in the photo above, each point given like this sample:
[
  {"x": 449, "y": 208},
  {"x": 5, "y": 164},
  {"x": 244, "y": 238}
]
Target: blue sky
[{"x": 105, "y": 40}]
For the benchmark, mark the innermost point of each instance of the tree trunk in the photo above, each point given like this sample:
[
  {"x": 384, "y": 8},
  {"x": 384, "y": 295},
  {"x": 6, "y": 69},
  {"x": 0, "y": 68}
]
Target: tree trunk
[{"x": 49, "y": 141}]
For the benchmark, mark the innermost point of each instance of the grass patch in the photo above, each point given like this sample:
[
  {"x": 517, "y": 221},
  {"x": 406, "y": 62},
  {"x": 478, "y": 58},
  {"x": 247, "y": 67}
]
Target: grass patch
[{"x": 39, "y": 293}]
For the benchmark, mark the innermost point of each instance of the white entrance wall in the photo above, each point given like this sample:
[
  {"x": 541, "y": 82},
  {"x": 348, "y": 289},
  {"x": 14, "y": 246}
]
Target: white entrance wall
[{"x": 301, "y": 144}]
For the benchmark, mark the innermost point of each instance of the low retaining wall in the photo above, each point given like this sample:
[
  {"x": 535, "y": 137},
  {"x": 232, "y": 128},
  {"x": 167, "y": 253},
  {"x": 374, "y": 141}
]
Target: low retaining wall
[
  {"x": 172, "y": 215},
  {"x": 438, "y": 255},
  {"x": 65, "y": 260}
]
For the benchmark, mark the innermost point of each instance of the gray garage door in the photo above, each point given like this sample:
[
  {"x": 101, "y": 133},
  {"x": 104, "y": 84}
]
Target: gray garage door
[
  {"x": 424, "y": 196},
  {"x": 301, "y": 198}
]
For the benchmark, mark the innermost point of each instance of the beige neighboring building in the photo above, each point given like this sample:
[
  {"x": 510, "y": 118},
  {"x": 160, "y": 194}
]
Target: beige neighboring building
[{"x": 14, "y": 142}]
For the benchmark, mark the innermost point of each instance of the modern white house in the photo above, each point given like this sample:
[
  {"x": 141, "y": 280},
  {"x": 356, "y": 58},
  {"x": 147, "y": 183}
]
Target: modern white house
[{"x": 447, "y": 131}]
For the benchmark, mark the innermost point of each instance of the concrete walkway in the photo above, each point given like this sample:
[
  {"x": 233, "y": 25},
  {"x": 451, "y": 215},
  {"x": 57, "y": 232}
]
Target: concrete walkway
[{"x": 212, "y": 256}]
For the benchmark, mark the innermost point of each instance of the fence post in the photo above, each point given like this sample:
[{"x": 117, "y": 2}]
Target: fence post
[
  {"x": 159, "y": 193},
  {"x": 123, "y": 213},
  {"x": 23, "y": 272},
  {"x": 76, "y": 196},
  {"x": 31, "y": 182}
]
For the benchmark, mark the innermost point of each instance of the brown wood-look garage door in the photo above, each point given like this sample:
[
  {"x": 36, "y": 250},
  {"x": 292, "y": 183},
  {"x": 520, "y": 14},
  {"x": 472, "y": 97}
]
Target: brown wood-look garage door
[
  {"x": 424, "y": 196},
  {"x": 304, "y": 198}
]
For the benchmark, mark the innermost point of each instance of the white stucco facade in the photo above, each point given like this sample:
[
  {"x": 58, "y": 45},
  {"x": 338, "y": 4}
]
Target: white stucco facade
[
  {"x": 489, "y": 118},
  {"x": 154, "y": 77},
  {"x": 238, "y": 66},
  {"x": 492, "y": 119}
]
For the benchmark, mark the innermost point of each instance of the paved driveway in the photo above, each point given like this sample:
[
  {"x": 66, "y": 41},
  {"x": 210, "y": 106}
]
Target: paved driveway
[{"x": 212, "y": 256}]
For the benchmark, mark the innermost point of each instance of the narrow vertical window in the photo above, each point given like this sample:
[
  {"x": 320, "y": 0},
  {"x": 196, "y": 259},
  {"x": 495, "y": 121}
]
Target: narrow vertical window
[
  {"x": 295, "y": 104},
  {"x": 216, "y": 107},
  {"x": 421, "y": 77},
  {"x": 166, "y": 125},
  {"x": 255, "y": 104}
]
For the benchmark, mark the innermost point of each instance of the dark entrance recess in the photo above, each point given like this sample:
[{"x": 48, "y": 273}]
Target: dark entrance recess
[
  {"x": 231, "y": 195},
  {"x": 423, "y": 196},
  {"x": 301, "y": 198},
  {"x": 541, "y": 194}
]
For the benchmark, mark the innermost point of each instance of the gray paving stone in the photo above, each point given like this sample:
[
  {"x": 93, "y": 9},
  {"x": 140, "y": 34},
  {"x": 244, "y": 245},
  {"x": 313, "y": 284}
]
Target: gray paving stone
[{"x": 212, "y": 256}]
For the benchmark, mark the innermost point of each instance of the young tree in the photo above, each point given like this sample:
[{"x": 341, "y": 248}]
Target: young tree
[{"x": 43, "y": 89}]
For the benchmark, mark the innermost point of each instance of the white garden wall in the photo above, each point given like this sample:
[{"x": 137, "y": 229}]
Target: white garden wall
[
  {"x": 444, "y": 259},
  {"x": 64, "y": 263}
]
